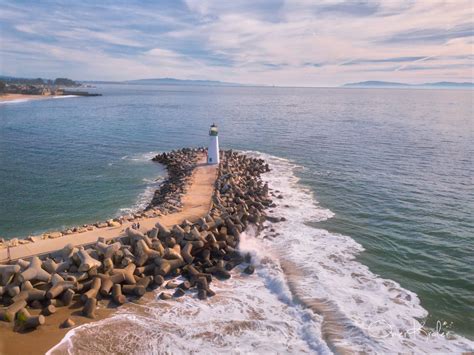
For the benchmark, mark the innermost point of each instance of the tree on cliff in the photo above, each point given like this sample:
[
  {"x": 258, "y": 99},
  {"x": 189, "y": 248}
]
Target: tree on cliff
[
  {"x": 65, "y": 82},
  {"x": 2, "y": 87}
]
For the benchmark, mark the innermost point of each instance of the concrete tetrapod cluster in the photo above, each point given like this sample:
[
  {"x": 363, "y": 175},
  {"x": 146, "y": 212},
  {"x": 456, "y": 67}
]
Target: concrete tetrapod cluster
[
  {"x": 179, "y": 165},
  {"x": 127, "y": 267}
]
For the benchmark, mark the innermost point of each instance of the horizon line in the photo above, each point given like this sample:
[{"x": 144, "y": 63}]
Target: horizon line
[{"x": 349, "y": 85}]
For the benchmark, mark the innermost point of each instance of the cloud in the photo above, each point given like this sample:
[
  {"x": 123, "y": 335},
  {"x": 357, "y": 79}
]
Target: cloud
[
  {"x": 352, "y": 8},
  {"x": 435, "y": 35},
  {"x": 299, "y": 42},
  {"x": 384, "y": 60},
  {"x": 436, "y": 67}
]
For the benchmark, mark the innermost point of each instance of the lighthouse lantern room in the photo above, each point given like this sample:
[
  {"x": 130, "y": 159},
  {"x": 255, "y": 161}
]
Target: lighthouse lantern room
[{"x": 213, "y": 150}]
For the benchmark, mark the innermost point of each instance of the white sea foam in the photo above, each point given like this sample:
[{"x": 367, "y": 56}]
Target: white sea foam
[
  {"x": 323, "y": 274},
  {"x": 144, "y": 198},
  {"x": 64, "y": 96},
  {"x": 141, "y": 157},
  {"x": 18, "y": 101},
  {"x": 308, "y": 295},
  {"x": 249, "y": 314},
  {"x": 151, "y": 184}
]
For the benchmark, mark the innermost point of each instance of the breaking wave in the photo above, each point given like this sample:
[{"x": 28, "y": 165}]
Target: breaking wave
[{"x": 309, "y": 294}]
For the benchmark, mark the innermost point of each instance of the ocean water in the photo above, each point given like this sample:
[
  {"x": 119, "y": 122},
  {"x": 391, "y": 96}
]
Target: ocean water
[{"x": 379, "y": 237}]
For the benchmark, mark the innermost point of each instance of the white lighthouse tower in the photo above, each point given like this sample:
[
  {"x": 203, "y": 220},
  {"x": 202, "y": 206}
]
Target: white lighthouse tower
[{"x": 213, "y": 150}]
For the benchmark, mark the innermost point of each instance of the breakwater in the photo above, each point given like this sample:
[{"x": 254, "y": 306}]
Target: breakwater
[
  {"x": 126, "y": 267},
  {"x": 180, "y": 165}
]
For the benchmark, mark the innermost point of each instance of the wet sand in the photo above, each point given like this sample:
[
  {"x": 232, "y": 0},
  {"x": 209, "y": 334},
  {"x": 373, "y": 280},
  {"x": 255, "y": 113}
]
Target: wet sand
[{"x": 196, "y": 204}]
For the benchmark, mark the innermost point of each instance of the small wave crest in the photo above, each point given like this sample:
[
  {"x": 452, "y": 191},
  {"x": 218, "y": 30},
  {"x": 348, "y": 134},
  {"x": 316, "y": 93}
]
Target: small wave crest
[
  {"x": 141, "y": 157},
  {"x": 150, "y": 184},
  {"x": 144, "y": 198}
]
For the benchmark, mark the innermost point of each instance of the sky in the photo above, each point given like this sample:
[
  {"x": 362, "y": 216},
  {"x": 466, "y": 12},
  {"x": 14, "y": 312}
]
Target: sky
[{"x": 285, "y": 43}]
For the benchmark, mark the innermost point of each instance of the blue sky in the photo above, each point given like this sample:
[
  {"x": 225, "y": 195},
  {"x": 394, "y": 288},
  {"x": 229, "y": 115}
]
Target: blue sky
[{"x": 298, "y": 43}]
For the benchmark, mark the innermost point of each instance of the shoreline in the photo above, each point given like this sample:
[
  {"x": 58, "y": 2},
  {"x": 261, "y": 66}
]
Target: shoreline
[
  {"x": 18, "y": 98},
  {"x": 196, "y": 203},
  {"x": 166, "y": 199},
  {"x": 50, "y": 336},
  {"x": 22, "y": 97},
  {"x": 199, "y": 244}
]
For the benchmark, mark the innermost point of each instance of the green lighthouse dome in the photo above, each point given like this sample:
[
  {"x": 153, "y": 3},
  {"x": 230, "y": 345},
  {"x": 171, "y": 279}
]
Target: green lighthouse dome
[{"x": 213, "y": 130}]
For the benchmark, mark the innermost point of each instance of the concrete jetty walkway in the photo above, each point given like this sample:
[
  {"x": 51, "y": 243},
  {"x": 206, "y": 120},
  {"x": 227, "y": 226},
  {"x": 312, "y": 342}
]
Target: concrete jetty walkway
[{"x": 196, "y": 204}]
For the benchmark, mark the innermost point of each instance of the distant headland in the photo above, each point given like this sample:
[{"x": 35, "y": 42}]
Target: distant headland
[
  {"x": 12, "y": 88},
  {"x": 388, "y": 84},
  {"x": 167, "y": 81}
]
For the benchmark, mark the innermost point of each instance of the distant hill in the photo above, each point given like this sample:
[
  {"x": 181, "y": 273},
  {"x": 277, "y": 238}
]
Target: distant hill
[
  {"x": 388, "y": 84},
  {"x": 156, "y": 81},
  {"x": 451, "y": 84},
  {"x": 172, "y": 81}
]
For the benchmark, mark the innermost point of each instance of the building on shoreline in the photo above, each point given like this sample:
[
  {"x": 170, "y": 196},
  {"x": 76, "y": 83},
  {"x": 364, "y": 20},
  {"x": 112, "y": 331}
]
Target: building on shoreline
[
  {"x": 26, "y": 89},
  {"x": 38, "y": 86}
]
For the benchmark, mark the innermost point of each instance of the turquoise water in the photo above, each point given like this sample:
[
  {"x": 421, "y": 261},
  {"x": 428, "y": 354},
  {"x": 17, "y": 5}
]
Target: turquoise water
[{"x": 394, "y": 166}]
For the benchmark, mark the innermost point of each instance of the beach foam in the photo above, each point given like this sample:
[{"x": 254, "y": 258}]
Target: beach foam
[
  {"x": 64, "y": 96},
  {"x": 144, "y": 198},
  {"x": 151, "y": 185},
  {"x": 249, "y": 314},
  {"x": 18, "y": 101},
  {"x": 309, "y": 294},
  {"x": 362, "y": 311},
  {"x": 141, "y": 157}
]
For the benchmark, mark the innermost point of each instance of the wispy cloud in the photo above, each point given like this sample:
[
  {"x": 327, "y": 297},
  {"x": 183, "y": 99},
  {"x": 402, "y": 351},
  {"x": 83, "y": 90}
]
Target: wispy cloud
[
  {"x": 351, "y": 8},
  {"x": 384, "y": 60},
  {"x": 298, "y": 42},
  {"x": 435, "y": 35}
]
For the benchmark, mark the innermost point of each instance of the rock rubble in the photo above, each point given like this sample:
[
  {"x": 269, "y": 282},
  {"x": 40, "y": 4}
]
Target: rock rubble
[{"x": 124, "y": 269}]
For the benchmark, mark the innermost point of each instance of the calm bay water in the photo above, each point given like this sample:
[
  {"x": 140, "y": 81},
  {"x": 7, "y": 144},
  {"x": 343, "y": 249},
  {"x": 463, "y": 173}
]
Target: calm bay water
[{"x": 394, "y": 166}]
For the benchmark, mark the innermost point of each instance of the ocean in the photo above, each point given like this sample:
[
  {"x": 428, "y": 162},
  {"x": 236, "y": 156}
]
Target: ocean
[{"x": 377, "y": 193}]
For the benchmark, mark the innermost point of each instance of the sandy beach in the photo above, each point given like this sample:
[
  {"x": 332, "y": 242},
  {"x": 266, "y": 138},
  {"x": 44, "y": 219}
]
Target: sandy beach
[
  {"x": 21, "y": 97},
  {"x": 196, "y": 204}
]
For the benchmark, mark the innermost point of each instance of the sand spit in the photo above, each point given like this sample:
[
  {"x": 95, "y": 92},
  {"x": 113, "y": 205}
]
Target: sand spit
[{"x": 73, "y": 284}]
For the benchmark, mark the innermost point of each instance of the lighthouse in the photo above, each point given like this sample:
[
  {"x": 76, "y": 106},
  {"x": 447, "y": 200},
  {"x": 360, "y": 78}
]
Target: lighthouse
[{"x": 213, "y": 150}]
